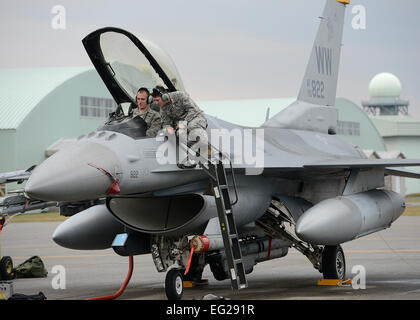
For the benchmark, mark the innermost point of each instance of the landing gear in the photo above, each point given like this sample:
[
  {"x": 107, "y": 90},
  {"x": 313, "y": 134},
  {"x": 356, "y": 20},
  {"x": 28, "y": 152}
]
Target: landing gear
[
  {"x": 6, "y": 268},
  {"x": 174, "y": 284},
  {"x": 333, "y": 262}
]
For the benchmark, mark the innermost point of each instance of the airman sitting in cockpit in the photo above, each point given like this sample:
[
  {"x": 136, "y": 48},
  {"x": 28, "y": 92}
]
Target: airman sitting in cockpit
[{"x": 150, "y": 116}]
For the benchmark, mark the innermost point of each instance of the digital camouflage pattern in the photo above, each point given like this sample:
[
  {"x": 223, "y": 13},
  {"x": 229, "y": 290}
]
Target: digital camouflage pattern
[
  {"x": 152, "y": 119},
  {"x": 182, "y": 108}
]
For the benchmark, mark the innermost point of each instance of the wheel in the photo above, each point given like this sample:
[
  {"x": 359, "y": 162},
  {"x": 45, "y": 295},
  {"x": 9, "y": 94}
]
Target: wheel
[
  {"x": 333, "y": 263},
  {"x": 6, "y": 268},
  {"x": 174, "y": 284}
]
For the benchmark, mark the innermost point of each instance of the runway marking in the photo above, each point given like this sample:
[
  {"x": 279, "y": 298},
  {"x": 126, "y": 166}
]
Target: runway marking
[
  {"x": 384, "y": 251},
  {"x": 28, "y": 247},
  {"x": 389, "y": 239}
]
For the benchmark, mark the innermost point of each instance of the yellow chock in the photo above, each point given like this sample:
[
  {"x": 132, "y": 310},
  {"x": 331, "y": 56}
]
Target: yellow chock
[
  {"x": 192, "y": 284},
  {"x": 335, "y": 282}
]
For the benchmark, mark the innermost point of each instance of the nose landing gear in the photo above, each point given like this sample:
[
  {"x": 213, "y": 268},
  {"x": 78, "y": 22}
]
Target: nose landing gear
[{"x": 174, "y": 284}]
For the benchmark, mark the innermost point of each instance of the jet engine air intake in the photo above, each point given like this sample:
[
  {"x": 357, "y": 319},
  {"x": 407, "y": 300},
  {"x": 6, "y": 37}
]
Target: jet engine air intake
[
  {"x": 181, "y": 214},
  {"x": 158, "y": 214}
]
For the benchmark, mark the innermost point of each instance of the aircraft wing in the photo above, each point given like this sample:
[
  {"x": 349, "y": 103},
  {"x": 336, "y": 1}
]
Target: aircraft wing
[
  {"x": 391, "y": 167},
  {"x": 362, "y": 163},
  {"x": 16, "y": 176}
]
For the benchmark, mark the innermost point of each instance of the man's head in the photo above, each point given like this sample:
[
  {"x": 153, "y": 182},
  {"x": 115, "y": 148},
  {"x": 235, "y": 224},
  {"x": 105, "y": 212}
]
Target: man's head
[
  {"x": 143, "y": 99},
  {"x": 160, "y": 96}
]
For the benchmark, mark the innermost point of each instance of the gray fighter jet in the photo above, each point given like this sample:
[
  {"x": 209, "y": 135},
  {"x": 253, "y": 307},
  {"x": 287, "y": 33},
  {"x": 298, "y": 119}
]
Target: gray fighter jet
[{"x": 289, "y": 183}]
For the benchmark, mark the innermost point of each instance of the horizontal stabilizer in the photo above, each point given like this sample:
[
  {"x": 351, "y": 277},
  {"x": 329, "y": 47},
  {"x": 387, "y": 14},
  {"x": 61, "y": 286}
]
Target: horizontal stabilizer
[{"x": 402, "y": 173}]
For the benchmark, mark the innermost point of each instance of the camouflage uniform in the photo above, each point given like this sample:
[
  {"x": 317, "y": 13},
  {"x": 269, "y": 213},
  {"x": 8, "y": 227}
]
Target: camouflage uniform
[
  {"x": 152, "y": 119},
  {"x": 181, "y": 108}
]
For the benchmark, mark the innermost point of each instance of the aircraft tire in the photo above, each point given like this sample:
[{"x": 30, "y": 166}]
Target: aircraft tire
[
  {"x": 333, "y": 263},
  {"x": 174, "y": 284},
  {"x": 6, "y": 268}
]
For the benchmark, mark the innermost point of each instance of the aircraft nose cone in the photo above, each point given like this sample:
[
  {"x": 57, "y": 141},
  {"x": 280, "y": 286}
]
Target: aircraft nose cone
[{"x": 68, "y": 175}]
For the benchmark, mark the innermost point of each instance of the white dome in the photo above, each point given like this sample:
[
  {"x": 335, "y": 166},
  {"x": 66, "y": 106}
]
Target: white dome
[{"x": 385, "y": 85}]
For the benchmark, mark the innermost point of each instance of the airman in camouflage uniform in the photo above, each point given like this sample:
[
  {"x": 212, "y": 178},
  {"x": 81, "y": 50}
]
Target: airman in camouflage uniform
[
  {"x": 177, "y": 109},
  {"x": 150, "y": 116}
]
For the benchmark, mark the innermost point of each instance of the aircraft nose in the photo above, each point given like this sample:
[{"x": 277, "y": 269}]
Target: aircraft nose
[{"x": 74, "y": 174}]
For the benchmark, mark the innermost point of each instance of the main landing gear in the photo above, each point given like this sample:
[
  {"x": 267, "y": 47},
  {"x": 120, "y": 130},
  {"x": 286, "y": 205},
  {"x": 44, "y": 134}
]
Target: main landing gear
[{"x": 333, "y": 263}]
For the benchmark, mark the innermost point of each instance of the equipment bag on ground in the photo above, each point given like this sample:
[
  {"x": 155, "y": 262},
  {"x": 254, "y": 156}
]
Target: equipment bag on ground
[{"x": 31, "y": 268}]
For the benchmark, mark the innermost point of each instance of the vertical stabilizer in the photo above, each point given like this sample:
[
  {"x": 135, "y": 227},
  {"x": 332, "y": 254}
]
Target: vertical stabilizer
[
  {"x": 315, "y": 109},
  {"x": 319, "y": 85}
]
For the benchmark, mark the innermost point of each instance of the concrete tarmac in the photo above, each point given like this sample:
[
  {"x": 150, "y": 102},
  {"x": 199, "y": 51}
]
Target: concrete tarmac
[{"x": 391, "y": 259}]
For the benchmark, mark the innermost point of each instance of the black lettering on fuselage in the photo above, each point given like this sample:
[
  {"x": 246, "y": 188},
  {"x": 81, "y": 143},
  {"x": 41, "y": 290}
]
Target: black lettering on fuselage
[{"x": 324, "y": 60}]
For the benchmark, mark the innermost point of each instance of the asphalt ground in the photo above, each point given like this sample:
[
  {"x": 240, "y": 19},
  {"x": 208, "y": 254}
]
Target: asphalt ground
[{"x": 390, "y": 259}]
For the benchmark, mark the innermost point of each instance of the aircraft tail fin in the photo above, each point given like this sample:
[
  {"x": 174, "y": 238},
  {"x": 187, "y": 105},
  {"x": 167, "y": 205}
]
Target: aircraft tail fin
[
  {"x": 315, "y": 109},
  {"x": 319, "y": 85}
]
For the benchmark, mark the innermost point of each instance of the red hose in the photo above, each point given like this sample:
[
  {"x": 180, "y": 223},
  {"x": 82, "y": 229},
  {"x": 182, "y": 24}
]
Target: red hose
[
  {"x": 2, "y": 222},
  {"x": 189, "y": 261},
  {"x": 119, "y": 292}
]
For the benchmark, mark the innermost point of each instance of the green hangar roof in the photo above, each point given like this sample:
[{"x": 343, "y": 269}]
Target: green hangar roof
[{"x": 21, "y": 90}]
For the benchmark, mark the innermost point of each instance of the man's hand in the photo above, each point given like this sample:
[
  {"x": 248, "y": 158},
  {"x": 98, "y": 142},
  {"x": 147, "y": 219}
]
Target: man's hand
[
  {"x": 180, "y": 126},
  {"x": 170, "y": 130}
]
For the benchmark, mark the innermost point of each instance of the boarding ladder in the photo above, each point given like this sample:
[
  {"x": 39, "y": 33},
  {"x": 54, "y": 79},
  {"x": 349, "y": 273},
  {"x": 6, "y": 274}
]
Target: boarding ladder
[{"x": 215, "y": 169}]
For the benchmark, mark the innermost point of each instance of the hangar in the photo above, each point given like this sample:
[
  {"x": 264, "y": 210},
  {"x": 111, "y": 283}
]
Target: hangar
[{"x": 42, "y": 105}]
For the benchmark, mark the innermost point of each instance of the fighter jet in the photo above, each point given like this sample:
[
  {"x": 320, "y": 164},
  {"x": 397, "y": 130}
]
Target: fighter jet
[{"x": 289, "y": 183}]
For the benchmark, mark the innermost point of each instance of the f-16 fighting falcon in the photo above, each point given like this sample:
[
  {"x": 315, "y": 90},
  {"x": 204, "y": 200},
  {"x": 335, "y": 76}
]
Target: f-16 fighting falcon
[{"x": 289, "y": 183}]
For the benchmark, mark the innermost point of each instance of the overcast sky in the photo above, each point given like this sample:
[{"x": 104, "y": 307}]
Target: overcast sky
[{"x": 225, "y": 49}]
